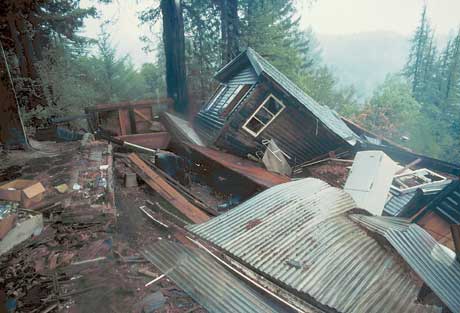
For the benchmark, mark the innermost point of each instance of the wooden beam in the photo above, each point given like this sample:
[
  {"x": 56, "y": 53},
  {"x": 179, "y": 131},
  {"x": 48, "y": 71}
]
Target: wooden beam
[
  {"x": 128, "y": 104},
  {"x": 142, "y": 116},
  {"x": 160, "y": 185},
  {"x": 455, "y": 229},
  {"x": 122, "y": 118},
  {"x": 132, "y": 121}
]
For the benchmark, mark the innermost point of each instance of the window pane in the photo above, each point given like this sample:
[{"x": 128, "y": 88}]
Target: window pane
[
  {"x": 264, "y": 116},
  {"x": 254, "y": 125},
  {"x": 273, "y": 106}
]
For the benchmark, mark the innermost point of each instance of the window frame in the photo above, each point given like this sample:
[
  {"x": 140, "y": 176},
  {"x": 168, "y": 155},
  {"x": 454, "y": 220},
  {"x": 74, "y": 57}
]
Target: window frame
[
  {"x": 261, "y": 107},
  {"x": 217, "y": 94},
  {"x": 235, "y": 99}
]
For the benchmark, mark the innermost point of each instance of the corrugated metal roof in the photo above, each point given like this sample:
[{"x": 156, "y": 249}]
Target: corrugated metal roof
[
  {"x": 328, "y": 117},
  {"x": 206, "y": 281},
  {"x": 299, "y": 235},
  {"x": 381, "y": 224},
  {"x": 435, "y": 264},
  {"x": 398, "y": 200},
  {"x": 447, "y": 203}
]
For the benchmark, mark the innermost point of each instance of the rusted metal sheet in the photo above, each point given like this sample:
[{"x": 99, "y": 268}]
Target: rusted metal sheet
[
  {"x": 246, "y": 168},
  {"x": 160, "y": 185},
  {"x": 149, "y": 140},
  {"x": 299, "y": 235}
]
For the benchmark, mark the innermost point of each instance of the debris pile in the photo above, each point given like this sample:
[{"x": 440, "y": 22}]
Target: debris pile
[{"x": 266, "y": 202}]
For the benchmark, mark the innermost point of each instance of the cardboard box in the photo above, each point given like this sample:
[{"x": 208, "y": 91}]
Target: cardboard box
[{"x": 28, "y": 192}]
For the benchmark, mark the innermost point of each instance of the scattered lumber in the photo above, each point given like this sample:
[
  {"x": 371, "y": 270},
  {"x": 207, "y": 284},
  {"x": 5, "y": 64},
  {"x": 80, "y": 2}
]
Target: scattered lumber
[{"x": 160, "y": 185}]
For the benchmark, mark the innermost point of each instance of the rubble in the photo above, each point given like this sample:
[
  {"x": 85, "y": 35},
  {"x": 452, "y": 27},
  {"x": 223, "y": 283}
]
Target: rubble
[{"x": 266, "y": 202}]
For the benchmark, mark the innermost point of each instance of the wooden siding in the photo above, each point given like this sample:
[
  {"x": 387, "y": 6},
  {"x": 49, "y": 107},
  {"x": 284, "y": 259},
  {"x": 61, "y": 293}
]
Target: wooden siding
[
  {"x": 209, "y": 122},
  {"x": 296, "y": 130}
]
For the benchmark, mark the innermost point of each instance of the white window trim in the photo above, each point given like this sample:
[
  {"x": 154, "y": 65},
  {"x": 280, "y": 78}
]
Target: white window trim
[
  {"x": 216, "y": 96},
  {"x": 260, "y": 108}
]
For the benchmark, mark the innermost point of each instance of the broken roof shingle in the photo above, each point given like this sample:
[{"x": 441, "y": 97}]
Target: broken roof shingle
[{"x": 299, "y": 235}]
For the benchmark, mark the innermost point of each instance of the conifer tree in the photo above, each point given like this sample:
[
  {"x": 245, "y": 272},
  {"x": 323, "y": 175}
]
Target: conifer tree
[{"x": 414, "y": 69}]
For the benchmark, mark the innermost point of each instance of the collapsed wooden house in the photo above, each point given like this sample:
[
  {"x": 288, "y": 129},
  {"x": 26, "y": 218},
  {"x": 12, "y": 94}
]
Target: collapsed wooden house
[{"x": 256, "y": 103}]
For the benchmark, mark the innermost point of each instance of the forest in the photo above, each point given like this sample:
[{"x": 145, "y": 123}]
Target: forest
[{"x": 57, "y": 72}]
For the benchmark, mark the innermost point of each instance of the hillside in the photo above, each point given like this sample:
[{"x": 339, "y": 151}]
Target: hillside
[{"x": 364, "y": 59}]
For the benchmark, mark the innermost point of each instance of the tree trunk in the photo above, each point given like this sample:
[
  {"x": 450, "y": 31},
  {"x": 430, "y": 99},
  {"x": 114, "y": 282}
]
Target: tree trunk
[
  {"x": 174, "y": 43},
  {"x": 230, "y": 29},
  {"x": 17, "y": 45},
  {"x": 12, "y": 132}
]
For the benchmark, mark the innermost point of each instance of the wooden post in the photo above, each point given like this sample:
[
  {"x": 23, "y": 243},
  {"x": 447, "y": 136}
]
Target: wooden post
[{"x": 455, "y": 229}]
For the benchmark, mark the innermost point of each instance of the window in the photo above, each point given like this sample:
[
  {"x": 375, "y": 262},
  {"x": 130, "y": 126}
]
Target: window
[
  {"x": 264, "y": 115},
  {"x": 234, "y": 99},
  {"x": 415, "y": 179},
  {"x": 216, "y": 96}
]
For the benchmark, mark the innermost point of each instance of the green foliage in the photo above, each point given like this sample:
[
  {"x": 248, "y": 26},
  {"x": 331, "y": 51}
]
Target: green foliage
[
  {"x": 73, "y": 81},
  {"x": 154, "y": 79},
  {"x": 322, "y": 86},
  {"x": 272, "y": 29},
  {"x": 390, "y": 109}
]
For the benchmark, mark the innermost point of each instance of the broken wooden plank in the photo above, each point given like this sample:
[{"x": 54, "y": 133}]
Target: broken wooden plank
[
  {"x": 132, "y": 121},
  {"x": 123, "y": 119},
  {"x": 142, "y": 116},
  {"x": 160, "y": 185},
  {"x": 158, "y": 140}
]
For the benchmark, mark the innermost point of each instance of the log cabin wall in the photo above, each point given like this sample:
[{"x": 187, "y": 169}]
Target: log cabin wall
[{"x": 296, "y": 130}]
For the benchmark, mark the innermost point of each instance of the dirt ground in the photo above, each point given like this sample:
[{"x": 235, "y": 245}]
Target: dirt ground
[
  {"x": 44, "y": 273},
  {"x": 119, "y": 285}
]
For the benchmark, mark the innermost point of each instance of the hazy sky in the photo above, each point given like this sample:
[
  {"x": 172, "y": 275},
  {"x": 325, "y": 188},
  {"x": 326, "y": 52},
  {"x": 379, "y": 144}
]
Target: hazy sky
[
  {"x": 325, "y": 17},
  {"x": 401, "y": 16}
]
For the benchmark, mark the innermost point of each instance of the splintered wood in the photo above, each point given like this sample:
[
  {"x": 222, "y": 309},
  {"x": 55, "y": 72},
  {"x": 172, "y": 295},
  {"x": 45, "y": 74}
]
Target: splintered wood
[{"x": 160, "y": 185}]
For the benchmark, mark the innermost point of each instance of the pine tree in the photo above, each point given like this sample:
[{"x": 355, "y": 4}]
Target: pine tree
[
  {"x": 430, "y": 92},
  {"x": 452, "y": 88},
  {"x": 414, "y": 69},
  {"x": 272, "y": 29}
]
